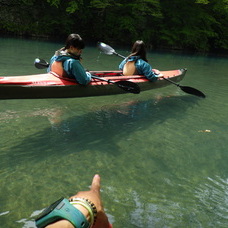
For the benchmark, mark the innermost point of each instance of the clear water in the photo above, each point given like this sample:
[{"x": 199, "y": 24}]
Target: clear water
[{"x": 162, "y": 155}]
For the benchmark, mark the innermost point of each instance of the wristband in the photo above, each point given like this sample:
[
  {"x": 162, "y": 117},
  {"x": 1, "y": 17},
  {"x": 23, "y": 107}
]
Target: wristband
[
  {"x": 62, "y": 209},
  {"x": 88, "y": 209},
  {"x": 92, "y": 208}
]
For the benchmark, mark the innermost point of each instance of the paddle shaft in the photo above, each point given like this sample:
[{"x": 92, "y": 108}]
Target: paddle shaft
[
  {"x": 172, "y": 82},
  {"x": 102, "y": 79},
  {"x": 127, "y": 86},
  {"x": 119, "y": 55}
]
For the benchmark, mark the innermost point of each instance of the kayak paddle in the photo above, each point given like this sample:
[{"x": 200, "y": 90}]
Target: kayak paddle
[
  {"x": 41, "y": 63},
  {"x": 127, "y": 86},
  {"x": 187, "y": 89},
  {"x": 110, "y": 51}
]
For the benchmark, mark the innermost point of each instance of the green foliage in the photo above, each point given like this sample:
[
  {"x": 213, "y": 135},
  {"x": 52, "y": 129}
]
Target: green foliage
[
  {"x": 191, "y": 24},
  {"x": 193, "y": 27},
  {"x": 55, "y": 3},
  {"x": 73, "y": 6},
  {"x": 101, "y": 4},
  {"x": 202, "y": 1}
]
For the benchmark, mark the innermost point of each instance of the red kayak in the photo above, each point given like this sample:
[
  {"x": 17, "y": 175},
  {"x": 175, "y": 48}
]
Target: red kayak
[{"x": 50, "y": 85}]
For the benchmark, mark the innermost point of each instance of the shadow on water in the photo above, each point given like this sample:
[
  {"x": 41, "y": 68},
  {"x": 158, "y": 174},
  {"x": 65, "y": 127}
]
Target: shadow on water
[{"x": 100, "y": 129}]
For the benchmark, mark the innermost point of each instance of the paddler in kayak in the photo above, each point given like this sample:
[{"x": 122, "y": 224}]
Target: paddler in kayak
[
  {"x": 66, "y": 61},
  {"x": 137, "y": 64}
]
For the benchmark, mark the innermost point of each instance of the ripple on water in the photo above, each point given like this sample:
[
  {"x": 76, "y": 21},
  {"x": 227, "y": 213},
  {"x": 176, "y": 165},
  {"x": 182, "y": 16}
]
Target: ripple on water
[{"x": 212, "y": 196}]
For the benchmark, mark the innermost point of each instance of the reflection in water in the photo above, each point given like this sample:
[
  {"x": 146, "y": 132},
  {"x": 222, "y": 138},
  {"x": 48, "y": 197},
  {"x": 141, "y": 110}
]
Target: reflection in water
[
  {"x": 53, "y": 115},
  {"x": 99, "y": 129}
]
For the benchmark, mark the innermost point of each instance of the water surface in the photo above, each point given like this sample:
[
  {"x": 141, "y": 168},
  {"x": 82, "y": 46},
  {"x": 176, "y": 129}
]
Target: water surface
[{"x": 161, "y": 154}]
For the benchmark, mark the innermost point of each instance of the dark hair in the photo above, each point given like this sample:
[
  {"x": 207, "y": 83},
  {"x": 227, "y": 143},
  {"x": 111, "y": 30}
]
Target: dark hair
[
  {"x": 139, "y": 49},
  {"x": 74, "y": 40}
]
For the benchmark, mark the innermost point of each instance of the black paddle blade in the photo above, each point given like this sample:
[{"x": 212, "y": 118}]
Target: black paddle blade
[
  {"x": 128, "y": 86},
  {"x": 40, "y": 63},
  {"x": 192, "y": 91}
]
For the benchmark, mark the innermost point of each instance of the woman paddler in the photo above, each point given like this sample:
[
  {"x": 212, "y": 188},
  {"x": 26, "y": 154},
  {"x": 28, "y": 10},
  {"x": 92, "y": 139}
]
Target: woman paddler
[
  {"x": 66, "y": 61},
  {"x": 137, "y": 63}
]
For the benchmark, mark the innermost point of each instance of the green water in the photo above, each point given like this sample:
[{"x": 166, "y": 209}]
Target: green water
[{"x": 161, "y": 154}]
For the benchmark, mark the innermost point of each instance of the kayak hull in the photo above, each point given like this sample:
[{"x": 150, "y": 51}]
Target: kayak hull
[{"x": 51, "y": 86}]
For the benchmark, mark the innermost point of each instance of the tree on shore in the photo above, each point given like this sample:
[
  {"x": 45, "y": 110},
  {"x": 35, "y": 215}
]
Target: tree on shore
[{"x": 200, "y": 25}]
